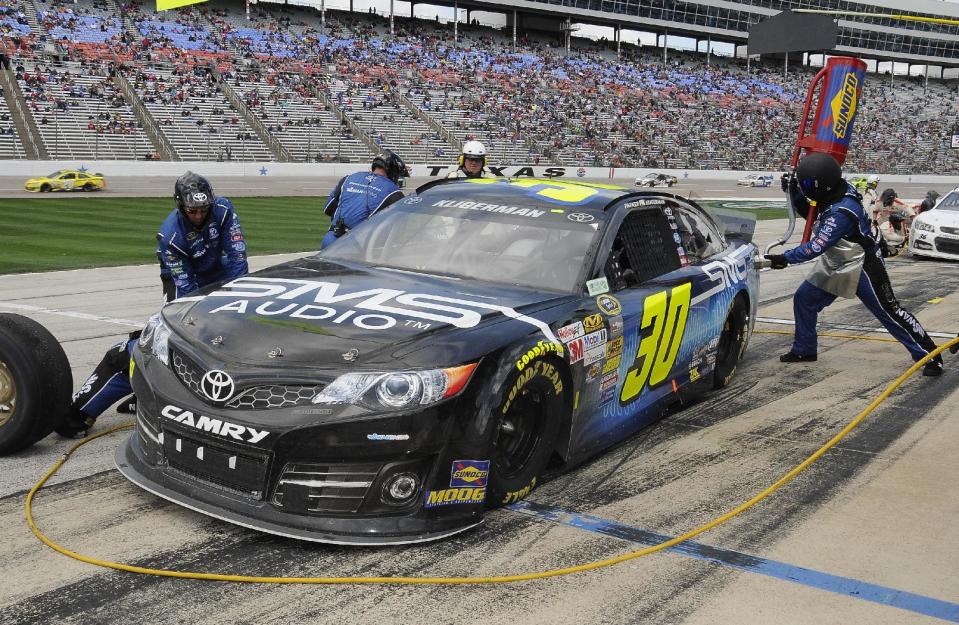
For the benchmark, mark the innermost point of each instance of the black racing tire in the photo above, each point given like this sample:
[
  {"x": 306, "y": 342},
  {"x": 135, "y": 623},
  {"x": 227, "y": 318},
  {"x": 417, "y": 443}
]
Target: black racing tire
[
  {"x": 35, "y": 382},
  {"x": 530, "y": 413},
  {"x": 732, "y": 342},
  {"x": 45, "y": 188},
  {"x": 89, "y": 187}
]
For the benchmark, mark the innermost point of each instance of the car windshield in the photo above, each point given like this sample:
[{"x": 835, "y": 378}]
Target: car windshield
[
  {"x": 57, "y": 173},
  {"x": 532, "y": 247},
  {"x": 650, "y": 176},
  {"x": 950, "y": 202}
]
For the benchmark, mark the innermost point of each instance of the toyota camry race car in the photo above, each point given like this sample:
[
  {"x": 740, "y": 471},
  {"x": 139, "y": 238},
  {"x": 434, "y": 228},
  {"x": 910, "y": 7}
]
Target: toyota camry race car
[
  {"x": 657, "y": 180},
  {"x": 935, "y": 232},
  {"x": 66, "y": 180},
  {"x": 755, "y": 180},
  {"x": 430, "y": 364}
]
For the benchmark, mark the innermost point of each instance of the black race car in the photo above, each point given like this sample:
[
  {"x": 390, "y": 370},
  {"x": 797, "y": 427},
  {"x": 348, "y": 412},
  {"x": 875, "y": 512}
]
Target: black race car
[{"x": 431, "y": 364}]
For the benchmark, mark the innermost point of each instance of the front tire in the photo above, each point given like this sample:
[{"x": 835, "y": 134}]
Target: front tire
[
  {"x": 732, "y": 343},
  {"x": 530, "y": 413},
  {"x": 45, "y": 188},
  {"x": 35, "y": 382}
]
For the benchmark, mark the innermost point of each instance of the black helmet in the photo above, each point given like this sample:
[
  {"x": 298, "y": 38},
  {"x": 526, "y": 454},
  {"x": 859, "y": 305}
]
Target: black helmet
[
  {"x": 820, "y": 178},
  {"x": 888, "y": 196},
  {"x": 393, "y": 164},
  {"x": 193, "y": 191}
]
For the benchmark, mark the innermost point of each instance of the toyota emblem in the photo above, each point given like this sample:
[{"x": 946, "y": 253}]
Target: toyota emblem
[
  {"x": 581, "y": 218},
  {"x": 217, "y": 385}
]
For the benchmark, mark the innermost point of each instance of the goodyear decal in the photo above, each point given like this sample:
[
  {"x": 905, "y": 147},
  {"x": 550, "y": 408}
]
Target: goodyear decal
[
  {"x": 452, "y": 496},
  {"x": 469, "y": 473},
  {"x": 519, "y": 494},
  {"x": 843, "y": 105},
  {"x": 540, "y": 349},
  {"x": 538, "y": 367}
]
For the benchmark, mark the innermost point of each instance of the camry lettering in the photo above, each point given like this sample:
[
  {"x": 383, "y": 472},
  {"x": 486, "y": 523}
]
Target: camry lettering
[
  {"x": 214, "y": 426},
  {"x": 389, "y": 303}
]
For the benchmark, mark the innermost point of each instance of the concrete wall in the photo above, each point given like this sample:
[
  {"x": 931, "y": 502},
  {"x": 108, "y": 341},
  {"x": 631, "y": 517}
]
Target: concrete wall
[{"x": 27, "y": 169}]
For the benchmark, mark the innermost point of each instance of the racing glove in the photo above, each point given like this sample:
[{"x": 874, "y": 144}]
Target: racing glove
[
  {"x": 777, "y": 261},
  {"x": 788, "y": 182}
]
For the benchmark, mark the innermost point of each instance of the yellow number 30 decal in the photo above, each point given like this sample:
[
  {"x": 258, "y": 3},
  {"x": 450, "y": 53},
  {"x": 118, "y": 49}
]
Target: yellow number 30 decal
[{"x": 661, "y": 333}]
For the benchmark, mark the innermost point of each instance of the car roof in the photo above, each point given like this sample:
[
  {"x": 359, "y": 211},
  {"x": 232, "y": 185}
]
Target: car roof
[{"x": 541, "y": 193}]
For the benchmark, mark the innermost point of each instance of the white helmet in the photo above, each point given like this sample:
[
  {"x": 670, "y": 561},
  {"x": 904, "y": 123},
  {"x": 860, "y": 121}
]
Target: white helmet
[
  {"x": 474, "y": 149},
  {"x": 873, "y": 179}
]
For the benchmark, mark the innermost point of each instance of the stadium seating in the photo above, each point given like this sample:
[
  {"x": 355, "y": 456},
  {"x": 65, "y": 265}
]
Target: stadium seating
[{"x": 417, "y": 93}]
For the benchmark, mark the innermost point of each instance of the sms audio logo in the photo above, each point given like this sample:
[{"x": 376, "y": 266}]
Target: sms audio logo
[{"x": 843, "y": 105}]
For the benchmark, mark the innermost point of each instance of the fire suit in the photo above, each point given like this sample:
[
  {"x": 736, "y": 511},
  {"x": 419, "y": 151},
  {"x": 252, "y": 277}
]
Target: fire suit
[
  {"x": 849, "y": 264},
  {"x": 191, "y": 258},
  {"x": 355, "y": 199}
]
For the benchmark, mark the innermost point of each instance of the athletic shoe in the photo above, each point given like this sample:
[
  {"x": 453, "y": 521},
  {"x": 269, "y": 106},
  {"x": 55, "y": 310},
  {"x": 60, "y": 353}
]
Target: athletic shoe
[
  {"x": 933, "y": 369},
  {"x": 793, "y": 357}
]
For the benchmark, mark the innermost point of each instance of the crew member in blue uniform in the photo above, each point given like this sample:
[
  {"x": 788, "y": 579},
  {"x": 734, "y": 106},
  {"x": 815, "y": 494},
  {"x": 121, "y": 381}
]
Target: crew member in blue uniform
[
  {"x": 200, "y": 243},
  {"x": 359, "y": 196},
  {"x": 849, "y": 262}
]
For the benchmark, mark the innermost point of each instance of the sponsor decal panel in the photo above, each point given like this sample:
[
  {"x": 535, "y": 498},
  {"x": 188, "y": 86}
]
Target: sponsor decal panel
[
  {"x": 597, "y": 286},
  {"x": 576, "y": 351},
  {"x": 593, "y": 323},
  {"x": 594, "y": 339},
  {"x": 609, "y": 305},
  {"x": 593, "y": 371},
  {"x": 594, "y": 355},
  {"x": 609, "y": 381},
  {"x": 469, "y": 473},
  {"x": 612, "y": 364},
  {"x": 570, "y": 332},
  {"x": 614, "y": 347},
  {"x": 386, "y": 437},
  {"x": 453, "y": 496}
]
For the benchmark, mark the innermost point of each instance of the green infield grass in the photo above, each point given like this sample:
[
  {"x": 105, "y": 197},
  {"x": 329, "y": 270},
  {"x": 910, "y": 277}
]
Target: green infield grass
[
  {"x": 77, "y": 231},
  {"x": 761, "y": 209}
]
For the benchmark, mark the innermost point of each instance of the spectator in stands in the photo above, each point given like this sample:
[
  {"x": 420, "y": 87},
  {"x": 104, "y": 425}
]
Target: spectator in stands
[
  {"x": 472, "y": 162},
  {"x": 199, "y": 243},
  {"x": 358, "y": 196}
]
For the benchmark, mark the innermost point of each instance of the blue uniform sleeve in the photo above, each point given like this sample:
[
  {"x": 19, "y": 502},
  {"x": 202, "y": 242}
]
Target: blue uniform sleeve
[
  {"x": 176, "y": 260},
  {"x": 334, "y": 200},
  {"x": 232, "y": 243},
  {"x": 832, "y": 227},
  {"x": 395, "y": 196}
]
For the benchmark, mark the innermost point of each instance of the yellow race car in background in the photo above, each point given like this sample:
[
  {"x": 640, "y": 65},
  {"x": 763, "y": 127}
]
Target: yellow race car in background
[{"x": 67, "y": 180}]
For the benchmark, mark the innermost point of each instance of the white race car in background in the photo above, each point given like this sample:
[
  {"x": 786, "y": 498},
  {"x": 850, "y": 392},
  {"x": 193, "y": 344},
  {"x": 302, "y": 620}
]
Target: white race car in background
[
  {"x": 935, "y": 232},
  {"x": 755, "y": 180}
]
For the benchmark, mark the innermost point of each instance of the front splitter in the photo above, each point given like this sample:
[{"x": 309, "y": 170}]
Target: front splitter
[{"x": 128, "y": 464}]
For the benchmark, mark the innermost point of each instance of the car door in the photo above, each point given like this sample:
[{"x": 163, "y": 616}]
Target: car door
[{"x": 67, "y": 181}]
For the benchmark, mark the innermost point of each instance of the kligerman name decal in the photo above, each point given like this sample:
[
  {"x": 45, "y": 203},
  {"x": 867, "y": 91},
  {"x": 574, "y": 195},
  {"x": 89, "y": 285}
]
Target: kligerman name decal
[{"x": 370, "y": 309}]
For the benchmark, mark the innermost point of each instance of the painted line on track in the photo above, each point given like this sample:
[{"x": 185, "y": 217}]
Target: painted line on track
[
  {"x": 847, "y": 586},
  {"x": 72, "y": 314},
  {"x": 843, "y": 326}
]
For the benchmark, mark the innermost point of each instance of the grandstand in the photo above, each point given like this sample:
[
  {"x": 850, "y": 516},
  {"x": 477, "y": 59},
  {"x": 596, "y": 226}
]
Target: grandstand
[{"x": 109, "y": 81}]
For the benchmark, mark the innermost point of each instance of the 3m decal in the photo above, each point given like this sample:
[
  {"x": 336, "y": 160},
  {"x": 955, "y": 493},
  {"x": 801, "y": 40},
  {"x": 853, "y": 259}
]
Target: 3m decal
[
  {"x": 661, "y": 332},
  {"x": 452, "y": 496},
  {"x": 469, "y": 473},
  {"x": 576, "y": 351}
]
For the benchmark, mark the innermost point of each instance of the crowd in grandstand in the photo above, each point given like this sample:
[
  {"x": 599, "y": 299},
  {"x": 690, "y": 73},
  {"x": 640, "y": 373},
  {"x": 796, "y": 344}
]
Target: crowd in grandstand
[{"x": 420, "y": 91}]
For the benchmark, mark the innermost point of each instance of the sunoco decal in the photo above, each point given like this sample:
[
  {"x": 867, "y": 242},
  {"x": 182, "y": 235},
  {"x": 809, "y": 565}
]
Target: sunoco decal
[
  {"x": 843, "y": 105},
  {"x": 469, "y": 473},
  {"x": 370, "y": 309}
]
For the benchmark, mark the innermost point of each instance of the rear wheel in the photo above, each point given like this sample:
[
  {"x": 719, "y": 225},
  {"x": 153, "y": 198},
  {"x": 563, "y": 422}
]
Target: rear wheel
[
  {"x": 35, "y": 382},
  {"x": 89, "y": 187},
  {"x": 732, "y": 343},
  {"x": 531, "y": 411}
]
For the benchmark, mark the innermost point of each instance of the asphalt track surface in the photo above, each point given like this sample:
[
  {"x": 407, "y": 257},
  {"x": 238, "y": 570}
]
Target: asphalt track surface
[{"x": 869, "y": 534}]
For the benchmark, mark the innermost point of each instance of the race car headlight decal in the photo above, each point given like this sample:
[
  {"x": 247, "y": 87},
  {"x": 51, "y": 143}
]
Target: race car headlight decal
[
  {"x": 396, "y": 390},
  {"x": 155, "y": 337},
  {"x": 924, "y": 226}
]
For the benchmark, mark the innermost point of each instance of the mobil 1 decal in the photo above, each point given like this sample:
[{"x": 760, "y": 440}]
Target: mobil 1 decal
[{"x": 660, "y": 335}]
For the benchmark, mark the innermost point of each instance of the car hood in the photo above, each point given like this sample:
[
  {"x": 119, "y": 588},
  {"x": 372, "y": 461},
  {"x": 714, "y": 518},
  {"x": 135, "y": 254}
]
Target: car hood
[
  {"x": 320, "y": 313},
  {"x": 940, "y": 217}
]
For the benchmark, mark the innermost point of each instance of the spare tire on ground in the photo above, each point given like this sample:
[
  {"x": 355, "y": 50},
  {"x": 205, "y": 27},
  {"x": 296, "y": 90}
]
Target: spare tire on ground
[{"x": 35, "y": 382}]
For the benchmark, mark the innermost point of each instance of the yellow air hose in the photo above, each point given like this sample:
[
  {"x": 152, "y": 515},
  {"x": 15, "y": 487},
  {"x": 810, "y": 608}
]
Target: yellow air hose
[{"x": 499, "y": 579}]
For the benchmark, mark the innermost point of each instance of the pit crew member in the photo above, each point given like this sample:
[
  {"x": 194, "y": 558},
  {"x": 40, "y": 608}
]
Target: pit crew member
[
  {"x": 849, "y": 263},
  {"x": 472, "y": 162}
]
